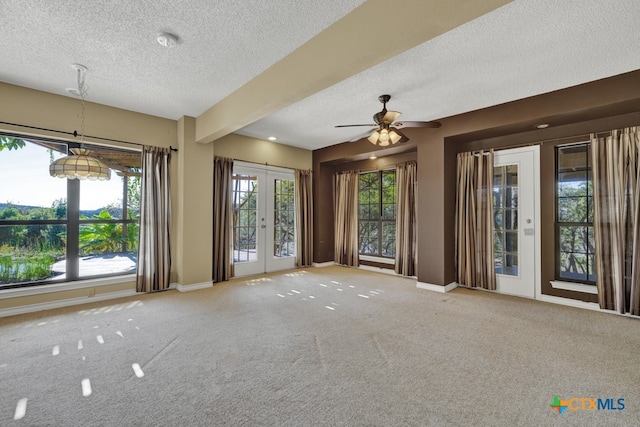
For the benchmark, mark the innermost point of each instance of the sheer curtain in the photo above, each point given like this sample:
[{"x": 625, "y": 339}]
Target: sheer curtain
[
  {"x": 222, "y": 260},
  {"x": 616, "y": 189},
  {"x": 304, "y": 218},
  {"x": 406, "y": 247},
  {"x": 345, "y": 196},
  {"x": 474, "y": 220},
  {"x": 154, "y": 247}
]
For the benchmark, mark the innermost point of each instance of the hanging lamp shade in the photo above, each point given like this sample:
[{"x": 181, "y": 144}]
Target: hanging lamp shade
[{"x": 80, "y": 165}]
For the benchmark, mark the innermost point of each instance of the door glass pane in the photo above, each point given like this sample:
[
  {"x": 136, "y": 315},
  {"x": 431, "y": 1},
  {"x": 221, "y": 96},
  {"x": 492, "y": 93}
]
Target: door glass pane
[
  {"x": 505, "y": 209},
  {"x": 284, "y": 218},
  {"x": 245, "y": 217}
]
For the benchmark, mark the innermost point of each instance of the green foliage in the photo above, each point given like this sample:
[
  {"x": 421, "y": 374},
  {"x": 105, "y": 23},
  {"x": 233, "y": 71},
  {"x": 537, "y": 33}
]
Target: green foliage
[
  {"x": 377, "y": 213},
  {"x": 11, "y": 143},
  {"x": 24, "y": 265},
  {"x": 107, "y": 236}
]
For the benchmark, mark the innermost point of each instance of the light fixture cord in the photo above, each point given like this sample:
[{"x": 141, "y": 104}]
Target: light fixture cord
[{"x": 82, "y": 90}]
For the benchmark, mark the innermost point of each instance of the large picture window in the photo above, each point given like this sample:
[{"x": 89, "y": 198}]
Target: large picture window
[
  {"x": 574, "y": 215},
  {"x": 56, "y": 230},
  {"x": 377, "y": 213}
]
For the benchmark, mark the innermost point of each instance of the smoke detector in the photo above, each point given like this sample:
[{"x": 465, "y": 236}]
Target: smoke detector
[{"x": 167, "y": 39}]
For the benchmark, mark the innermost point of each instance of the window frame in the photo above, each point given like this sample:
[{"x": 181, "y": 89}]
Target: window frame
[
  {"x": 558, "y": 224},
  {"x": 73, "y": 223},
  {"x": 381, "y": 221}
]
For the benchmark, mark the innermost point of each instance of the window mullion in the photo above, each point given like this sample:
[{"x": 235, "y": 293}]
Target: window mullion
[{"x": 73, "y": 229}]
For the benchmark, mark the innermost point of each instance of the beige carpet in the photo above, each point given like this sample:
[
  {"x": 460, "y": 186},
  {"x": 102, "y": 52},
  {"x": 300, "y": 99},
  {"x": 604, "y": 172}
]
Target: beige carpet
[{"x": 323, "y": 346}]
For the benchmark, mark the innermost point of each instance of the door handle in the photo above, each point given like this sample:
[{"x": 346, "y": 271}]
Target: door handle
[{"x": 263, "y": 226}]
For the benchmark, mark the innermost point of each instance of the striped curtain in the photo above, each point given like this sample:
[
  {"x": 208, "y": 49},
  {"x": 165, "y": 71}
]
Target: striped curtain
[
  {"x": 616, "y": 189},
  {"x": 406, "y": 247},
  {"x": 222, "y": 223},
  {"x": 154, "y": 247},
  {"x": 345, "y": 196},
  {"x": 304, "y": 218},
  {"x": 474, "y": 220}
]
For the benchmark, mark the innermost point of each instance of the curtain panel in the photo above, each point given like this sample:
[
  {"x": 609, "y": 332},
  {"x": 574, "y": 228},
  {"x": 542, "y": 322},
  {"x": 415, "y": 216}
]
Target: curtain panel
[
  {"x": 406, "y": 246},
  {"x": 222, "y": 222},
  {"x": 345, "y": 196},
  {"x": 304, "y": 218},
  {"x": 474, "y": 220},
  {"x": 616, "y": 189},
  {"x": 154, "y": 246}
]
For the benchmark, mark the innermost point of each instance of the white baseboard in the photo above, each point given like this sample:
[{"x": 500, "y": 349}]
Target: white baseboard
[
  {"x": 323, "y": 264},
  {"x": 437, "y": 288},
  {"x": 389, "y": 271},
  {"x": 570, "y": 302},
  {"x": 30, "y": 308},
  {"x": 192, "y": 287}
]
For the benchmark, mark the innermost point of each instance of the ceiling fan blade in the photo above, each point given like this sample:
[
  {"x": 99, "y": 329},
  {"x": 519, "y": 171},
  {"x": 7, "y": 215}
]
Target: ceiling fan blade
[
  {"x": 349, "y": 126},
  {"x": 360, "y": 136},
  {"x": 390, "y": 117},
  {"x": 433, "y": 124}
]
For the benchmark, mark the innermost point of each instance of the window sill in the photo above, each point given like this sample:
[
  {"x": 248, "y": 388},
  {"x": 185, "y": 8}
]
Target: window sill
[
  {"x": 379, "y": 260},
  {"x": 60, "y": 287},
  {"x": 576, "y": 287}
]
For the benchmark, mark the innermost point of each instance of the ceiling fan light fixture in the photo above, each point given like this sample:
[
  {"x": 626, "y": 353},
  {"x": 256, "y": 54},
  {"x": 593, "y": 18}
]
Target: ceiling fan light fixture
[
  {"x": 373, "y": 138},
  {"x": 394, "y": 137}
]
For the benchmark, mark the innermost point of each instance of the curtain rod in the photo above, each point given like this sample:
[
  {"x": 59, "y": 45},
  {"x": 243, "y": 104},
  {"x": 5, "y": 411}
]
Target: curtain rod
[
  {"x": 75, "y": 134},
  {"x": 262, "y": 164}
]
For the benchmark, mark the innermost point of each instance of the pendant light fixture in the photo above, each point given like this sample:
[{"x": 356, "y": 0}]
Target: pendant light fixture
[{"x": 80, "y": 165}]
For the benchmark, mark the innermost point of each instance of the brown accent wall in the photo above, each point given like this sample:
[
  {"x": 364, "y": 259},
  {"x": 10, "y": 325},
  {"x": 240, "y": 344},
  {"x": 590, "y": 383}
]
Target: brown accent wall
[
  {"x": 342, "y": 157},
  {"x": 592, "y": 107},
  {"x": 549, "y": 140}
]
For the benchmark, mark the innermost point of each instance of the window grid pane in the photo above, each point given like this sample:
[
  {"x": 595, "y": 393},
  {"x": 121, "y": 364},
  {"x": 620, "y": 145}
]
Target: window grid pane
[
  {"x": 505, "y": 219},
  {"x": 245, "y": 188},
  {"x": 60, "y": 230},
  {"x": 377, "y": 213},
  {"x": 284, "y": 216},
  {"x": 574, "y": 214}
]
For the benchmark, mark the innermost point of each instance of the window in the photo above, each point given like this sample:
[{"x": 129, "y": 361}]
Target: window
[
  {"x": 56, "y": 230},
  {"x": 377, "y": 213},
  {"x": 574, "y": 215},
  {"x": 284, "y": 231},
  {"x": 245, "y": 216},
  {"x": 505, "y": 219}
]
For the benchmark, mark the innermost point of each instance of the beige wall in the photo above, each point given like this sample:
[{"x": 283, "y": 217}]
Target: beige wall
[
  {"x": 33, "y": 108},
  {"x": 194, "y": 215},
  {"x": 254, "y": 150},
  {"x": 191, "y": 173}
]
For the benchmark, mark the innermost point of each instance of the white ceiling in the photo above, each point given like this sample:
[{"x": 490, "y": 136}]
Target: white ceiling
[{"x": 524, "y": 48}]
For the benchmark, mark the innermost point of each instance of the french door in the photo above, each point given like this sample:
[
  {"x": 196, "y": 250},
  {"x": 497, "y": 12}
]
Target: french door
[
  {"x": 517, "y": 221},
  {"x": 263, "y": 219}
]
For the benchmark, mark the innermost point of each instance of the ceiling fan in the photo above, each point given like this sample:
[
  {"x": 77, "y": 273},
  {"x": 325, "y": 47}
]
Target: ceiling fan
[{"x": 387, "y": 127}]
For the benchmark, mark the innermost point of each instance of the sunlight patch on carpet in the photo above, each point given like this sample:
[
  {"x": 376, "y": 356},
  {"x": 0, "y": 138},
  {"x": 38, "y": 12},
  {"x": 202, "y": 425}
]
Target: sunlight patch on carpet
[
  {"x": 86, "y": 387},
  {"x": 21, "y": 409},
  {"x": 137, "y": 370}
]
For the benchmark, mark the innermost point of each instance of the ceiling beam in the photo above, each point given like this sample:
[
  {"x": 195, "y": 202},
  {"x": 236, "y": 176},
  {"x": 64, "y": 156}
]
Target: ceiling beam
[{"x": 375, "y": 31}]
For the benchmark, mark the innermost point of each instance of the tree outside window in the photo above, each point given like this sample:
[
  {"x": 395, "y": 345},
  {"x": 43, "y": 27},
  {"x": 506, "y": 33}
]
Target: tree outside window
[
  {"x": 377, "y": 213},
  {"x": 574, "y": 215}
]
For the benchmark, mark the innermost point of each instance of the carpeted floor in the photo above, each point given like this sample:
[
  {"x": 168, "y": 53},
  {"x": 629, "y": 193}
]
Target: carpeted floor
[{"x": 323, "y": 346}]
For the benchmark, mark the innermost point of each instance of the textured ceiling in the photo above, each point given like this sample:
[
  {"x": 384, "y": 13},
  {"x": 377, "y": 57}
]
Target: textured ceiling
[{"x": 521, "y": 49}]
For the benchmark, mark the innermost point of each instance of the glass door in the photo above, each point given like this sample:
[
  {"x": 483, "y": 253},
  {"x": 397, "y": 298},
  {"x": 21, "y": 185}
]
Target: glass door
[
  {"x": 263, "y": 213},
  {"x": 515, "y": 234}
]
